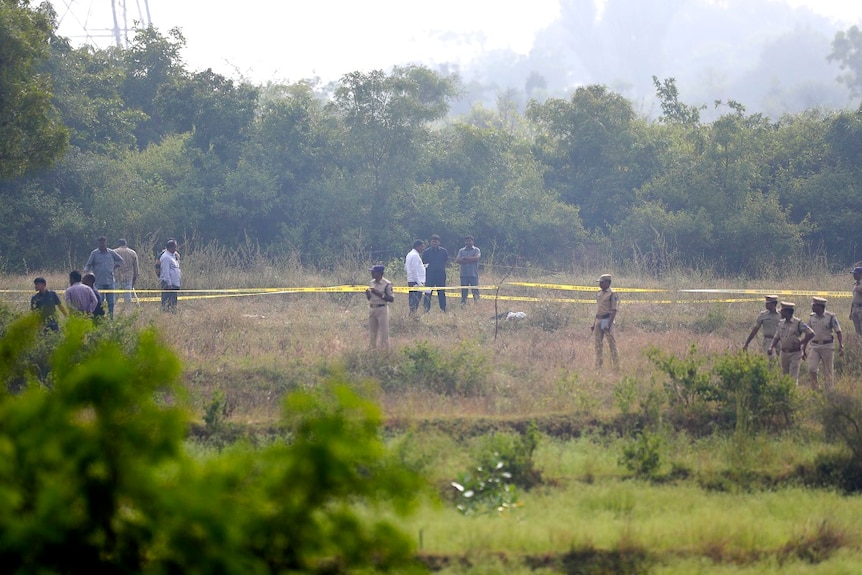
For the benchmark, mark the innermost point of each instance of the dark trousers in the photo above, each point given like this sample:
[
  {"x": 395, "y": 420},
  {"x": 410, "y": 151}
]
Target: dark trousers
[
  {"x": 109, "y": 297},
  {"x": 169, "y": 298},
  {"x": 441, "y": 294},
  {"x": 414, "y": 297}
]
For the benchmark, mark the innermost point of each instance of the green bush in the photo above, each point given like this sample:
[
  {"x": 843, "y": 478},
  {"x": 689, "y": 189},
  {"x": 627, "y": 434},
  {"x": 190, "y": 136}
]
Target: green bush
[
  {"x": 93, "y": 477},
  {"x": 515, "y": 451},
  {"x": 642, "y": 455},
  {"x": 463, "y": 372},
  {"x": 688, "y": 384},
  {"x": 754, "y": 395},
  {"x": 738, "y": 389}
]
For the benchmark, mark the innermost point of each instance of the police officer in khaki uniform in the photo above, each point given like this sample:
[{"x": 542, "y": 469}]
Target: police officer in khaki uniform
[
  {"x": 768, "y": 320},
  {"x": 379, "y": 294},
  {"x": 856, "y": 304},
  {"x": 822, "y": 347},
  {"x": 603, "y": 325},
  {"x": 790, "y": 329}
]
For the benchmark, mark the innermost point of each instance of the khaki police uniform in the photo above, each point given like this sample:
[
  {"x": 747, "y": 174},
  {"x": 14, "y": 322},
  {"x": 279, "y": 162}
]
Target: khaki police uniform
[
  {"x": 767, "y": 323},
  {"x": 378, "y": 317},
  {"x": 788, "y": 339},
  {"x": 607, "y": 302},
  {"x": 821, "y": 349}
]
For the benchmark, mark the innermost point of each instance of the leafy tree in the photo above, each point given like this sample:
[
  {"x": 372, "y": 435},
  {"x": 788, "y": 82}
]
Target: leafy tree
[
  {"x": 217, "y": 112},
  {"x": 88, "y": 92},
  {"x": 31, "y": 132},
  {"x": 387, "y": 118},
  {"x": 594, "y": 152},
  {"x": 93, "y": 476},
  {"x": 152, "y": 65},
  {"x": 847, "y": 51}
]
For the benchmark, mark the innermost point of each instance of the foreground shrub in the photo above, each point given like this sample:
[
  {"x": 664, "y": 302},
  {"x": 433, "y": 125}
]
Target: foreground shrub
[{"x": 93, "y": 478}]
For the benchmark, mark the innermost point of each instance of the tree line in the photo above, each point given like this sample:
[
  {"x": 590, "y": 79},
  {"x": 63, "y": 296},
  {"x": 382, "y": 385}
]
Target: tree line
[{"x": 130, "y": 143}]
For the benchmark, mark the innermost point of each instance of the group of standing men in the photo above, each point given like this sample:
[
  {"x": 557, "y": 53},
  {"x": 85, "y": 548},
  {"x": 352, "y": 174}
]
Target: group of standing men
[
  {"x": 426, "y": 271},
  {"x": 106, "y": 269},
  {"x": 426, "y": 268},
  {"x": 814, "y": 341}
]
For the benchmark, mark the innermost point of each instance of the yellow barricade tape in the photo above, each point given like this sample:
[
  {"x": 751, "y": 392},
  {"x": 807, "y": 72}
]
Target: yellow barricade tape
[
  {"x": 592, "y": 288},
  {"x": 188, "y": 294}
]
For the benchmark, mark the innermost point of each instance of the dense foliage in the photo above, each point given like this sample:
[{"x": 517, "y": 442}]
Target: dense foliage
[
  {"x": 94, "y": 477},
  {"x": 367, "y": 164}
]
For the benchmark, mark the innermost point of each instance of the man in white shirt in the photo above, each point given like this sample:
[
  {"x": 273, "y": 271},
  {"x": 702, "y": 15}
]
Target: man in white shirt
[
  {"x": 415, "y": 273},
  {"x": 170, "y": 276}
]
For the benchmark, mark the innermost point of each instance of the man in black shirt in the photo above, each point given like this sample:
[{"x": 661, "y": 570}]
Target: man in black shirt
[
  {"x": 435, "y": 259},
  {"x": 46, "y": 303}
]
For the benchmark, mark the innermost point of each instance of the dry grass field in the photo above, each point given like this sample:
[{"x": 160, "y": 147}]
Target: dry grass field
[{"x": 254, "y": 347}]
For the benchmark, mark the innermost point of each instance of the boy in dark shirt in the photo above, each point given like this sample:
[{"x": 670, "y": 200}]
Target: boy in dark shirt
[{"x": 46, "y": 303}]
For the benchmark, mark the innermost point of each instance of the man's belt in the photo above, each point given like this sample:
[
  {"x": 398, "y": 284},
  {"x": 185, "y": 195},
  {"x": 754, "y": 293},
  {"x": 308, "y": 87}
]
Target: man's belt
[
  {"x": 603, "y": 316},
  {"x": 821, "y": 341},
  {"x": 378, "y": 305}
]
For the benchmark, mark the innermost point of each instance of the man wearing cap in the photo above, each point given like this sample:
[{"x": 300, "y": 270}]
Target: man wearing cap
[
  {"x": 856, "y": 304},
  {"x": 790, "y": 329},
  {"x": 127, "y": 273},
  {"x": 768, "y": 320},
  {"x": 603, "y": 324},
  {"x": 822, "y": 347},
  {"x": 415, "y": 270},
  {"x": 379, "y": 294}
]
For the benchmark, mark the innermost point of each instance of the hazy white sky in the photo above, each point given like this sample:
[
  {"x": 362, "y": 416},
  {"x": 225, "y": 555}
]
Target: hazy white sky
[{"x": 288, "y": 40}]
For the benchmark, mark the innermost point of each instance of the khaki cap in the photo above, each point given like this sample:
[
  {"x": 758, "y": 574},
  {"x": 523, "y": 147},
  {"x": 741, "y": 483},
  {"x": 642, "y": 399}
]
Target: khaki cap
[
  {"x": 772, "y": 299},
  {"x": 604, "y": 278},
  {"x": 818, "y": 301},
  {"x": 788, "y": 305}
]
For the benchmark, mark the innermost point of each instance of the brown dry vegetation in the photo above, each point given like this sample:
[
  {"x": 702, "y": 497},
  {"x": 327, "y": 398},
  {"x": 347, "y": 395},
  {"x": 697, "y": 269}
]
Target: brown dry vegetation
[{"x": 254, "y": 348}]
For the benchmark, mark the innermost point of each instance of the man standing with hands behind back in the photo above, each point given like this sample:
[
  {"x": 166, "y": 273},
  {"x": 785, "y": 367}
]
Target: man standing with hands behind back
[{"x": 127, "y": 275}]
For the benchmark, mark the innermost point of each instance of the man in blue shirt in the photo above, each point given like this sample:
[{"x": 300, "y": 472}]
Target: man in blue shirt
[
  {"x": 468, "y": 259},
  {"x": 102, "y": 262}
]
